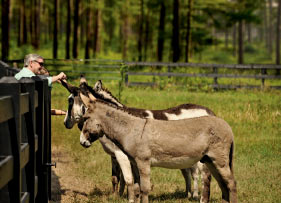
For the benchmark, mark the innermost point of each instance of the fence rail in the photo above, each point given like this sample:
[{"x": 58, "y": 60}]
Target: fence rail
[
  {"x": 25, "y": 138},
  {"x": 152, "y": 73}
]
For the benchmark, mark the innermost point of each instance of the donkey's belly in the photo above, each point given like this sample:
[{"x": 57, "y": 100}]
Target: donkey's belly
[{"x": 174, "y": 163}]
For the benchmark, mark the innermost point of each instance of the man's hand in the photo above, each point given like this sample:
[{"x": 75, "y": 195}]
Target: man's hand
[{"x": 59, "y": 77}]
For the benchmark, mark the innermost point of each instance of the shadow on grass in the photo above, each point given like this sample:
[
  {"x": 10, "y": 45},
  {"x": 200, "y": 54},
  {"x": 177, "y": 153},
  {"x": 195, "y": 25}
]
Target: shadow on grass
[
  {"x": 56, "y": 191},
  {"x": 178, "y": 195},
  {"x": 96, "y": 192}
]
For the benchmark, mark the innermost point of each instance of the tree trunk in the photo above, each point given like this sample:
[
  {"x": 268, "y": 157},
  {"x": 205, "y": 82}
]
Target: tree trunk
[
  {"x": 75, "y": 29},
  {"x": 55, "y": 40},
  {"x": 234, "y": 39},
  {"x": 140, "y": 31},
  {"x": 161, "y": 32},
  {"x": 175, "y": 38},
  {"x": 22, "y": 38},
  {"x": 125, "y": 33},
  {"x": 240, "y": 43},
  {"x": 88, "y": 30},
  {"x": 265, "y": 24},
  {"x": 37, "y": 24},
  {"x": 270, "y": 29},
  {"x": 147, "y": 35},
  {"x": 278, "y": 24},
  {"x": 226, "y": 38},
  {"x": 249, "y": 32},
  {"x": 97, "y": 31},
  {"x": 68, "y": 31},
  {"x": 188, "y": 31},
  {"x": 5, "y": 29}
]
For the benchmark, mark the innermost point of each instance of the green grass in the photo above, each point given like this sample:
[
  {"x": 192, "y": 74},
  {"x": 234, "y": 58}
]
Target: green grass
[{"x": 255, "y": 117}]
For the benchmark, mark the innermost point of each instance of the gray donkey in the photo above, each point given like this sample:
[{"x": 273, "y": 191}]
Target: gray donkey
[
  {"x": 169, "y": 144},
  {"x": 77, "y": 109}
]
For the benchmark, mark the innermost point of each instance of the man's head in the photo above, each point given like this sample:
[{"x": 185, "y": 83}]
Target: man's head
[{"x": 34, "y": 62}]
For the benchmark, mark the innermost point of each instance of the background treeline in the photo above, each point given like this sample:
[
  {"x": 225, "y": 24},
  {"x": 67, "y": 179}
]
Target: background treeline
[{"x": 143, "y": 30}]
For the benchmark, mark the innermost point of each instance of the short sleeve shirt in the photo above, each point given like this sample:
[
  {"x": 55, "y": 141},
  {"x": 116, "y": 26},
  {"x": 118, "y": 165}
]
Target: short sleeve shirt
[{"x": 26, "y": 73}]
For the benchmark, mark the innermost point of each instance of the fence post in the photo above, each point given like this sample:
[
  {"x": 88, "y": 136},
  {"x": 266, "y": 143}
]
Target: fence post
[
  {"x": 28, "y": 85},
  {"x": 215, "y": 71},
  {"x": 42, "y": 195},
  {"x": 10, "y": 86},
  {"x": 263, "y": 72}
]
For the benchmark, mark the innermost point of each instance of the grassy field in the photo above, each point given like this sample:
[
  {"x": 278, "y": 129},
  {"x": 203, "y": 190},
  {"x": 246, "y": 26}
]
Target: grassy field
[{"x": 255, "y": 117}]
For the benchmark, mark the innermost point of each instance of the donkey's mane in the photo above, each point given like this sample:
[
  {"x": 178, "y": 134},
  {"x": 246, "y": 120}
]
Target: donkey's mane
[
  {"x": 107, "y": 91},
  {"x": 97, "y": 96},
  {"x": 118, "y": 108}
]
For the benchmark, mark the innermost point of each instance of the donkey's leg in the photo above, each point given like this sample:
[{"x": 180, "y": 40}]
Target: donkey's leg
[
  {"x": 195, "y": 175},
  {"x": 226, "y": 181},
  {"x": 144, "y": 170},
  {"x": 187, "y": 177},
  {"x": 206, "y": 184},
  {"x": 127, "y": 172},
  {"x": 122, "y": 184},
  {"x": 115, "y": 174},
  {"x": 230, "y": 183}
]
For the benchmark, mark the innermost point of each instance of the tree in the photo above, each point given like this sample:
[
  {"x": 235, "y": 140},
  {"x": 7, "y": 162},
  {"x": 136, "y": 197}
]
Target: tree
[
  {"x": 68, "y": 31},
  {"x": 97, "y": 26},
  {"x": 188, "y": 31},
  {"x": 55, "y": 42},
  {"x": 175, "y": 37},
  {"x": 75, "y": 29},
  {"x": 161, "y": 31},
  {"x": 5, "y": 29},
  {"x": 140, "y": 21},
  {"x": 22, "y": 37},
  {"x": 88, "y": 30},
  {"x": 278, "y": 36}
]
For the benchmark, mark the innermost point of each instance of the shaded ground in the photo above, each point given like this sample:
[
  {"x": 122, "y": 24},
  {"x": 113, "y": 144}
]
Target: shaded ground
[{"x": 67, "y": 186}]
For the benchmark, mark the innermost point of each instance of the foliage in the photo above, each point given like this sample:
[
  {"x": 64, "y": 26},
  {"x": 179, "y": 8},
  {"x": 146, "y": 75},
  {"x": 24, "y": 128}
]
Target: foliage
[{"x": 209, "y": 17}]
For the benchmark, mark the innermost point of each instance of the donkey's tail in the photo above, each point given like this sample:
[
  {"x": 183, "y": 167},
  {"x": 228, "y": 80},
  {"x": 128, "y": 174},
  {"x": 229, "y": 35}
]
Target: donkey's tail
[{"x": 231, "y": 156}]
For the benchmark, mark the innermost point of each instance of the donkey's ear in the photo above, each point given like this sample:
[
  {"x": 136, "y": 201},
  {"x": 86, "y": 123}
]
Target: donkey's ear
[
  {"x": 69, "y": 87},
  {"x": 98, "y": 86},
  {"x": 83, "y": 79},
  {"x": 85, "y": 99}
]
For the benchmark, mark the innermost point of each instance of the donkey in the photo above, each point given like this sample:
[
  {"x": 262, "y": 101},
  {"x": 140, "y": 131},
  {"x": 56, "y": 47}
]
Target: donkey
[
  {"x": 175, "y": 113},
  {"x": 74, "y": 114},
  {"x": 170, "y": 144},
  {"x": 180, "y": 112}
]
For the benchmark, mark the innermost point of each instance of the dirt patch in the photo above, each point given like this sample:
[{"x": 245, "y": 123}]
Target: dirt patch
[{"x": 67, "y": 185}]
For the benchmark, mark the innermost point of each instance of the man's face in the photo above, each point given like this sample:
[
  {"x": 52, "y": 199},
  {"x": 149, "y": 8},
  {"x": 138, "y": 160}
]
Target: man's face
[{"x": 37, "y": 65}]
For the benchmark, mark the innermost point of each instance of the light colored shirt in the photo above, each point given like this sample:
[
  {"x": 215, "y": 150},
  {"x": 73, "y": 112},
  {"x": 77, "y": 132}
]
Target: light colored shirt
[{"x": 26, "y": 73}]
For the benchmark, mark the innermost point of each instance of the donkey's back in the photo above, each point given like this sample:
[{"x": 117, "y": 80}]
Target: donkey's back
[{"x": 180, "y": 144}]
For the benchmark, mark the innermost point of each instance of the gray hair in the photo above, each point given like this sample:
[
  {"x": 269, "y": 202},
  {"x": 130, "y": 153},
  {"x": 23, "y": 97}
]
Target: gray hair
[{"x": 31, "y": 57}]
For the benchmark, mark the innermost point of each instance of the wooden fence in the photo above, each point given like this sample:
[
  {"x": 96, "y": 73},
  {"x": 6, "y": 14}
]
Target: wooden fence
[
  {"x": 218, "y": 76},
  {"x": 25, "y": 138}
]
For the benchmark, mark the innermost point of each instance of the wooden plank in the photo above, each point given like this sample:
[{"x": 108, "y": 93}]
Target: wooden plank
[
  {"x": 6, "y": 108},
  {"x": 36, "y": 142},
  {"x": 24, "y": 103},
  {"x": 141, "y": 83},
  {"x": 35, "y": 186},
  {"x": 35, "y": 99},
  {"x": 24, "y": 154},
  {"x": 209, "y": 75},
  {"x": 205, "y": 65},
  {"x": 6, "y": 169}
]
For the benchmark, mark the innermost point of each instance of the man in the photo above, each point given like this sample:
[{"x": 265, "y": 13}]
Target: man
[{"x": 33, "y": 65}]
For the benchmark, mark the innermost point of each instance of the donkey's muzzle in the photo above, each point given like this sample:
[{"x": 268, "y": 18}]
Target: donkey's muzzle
[{"x": 85, "y": 144}]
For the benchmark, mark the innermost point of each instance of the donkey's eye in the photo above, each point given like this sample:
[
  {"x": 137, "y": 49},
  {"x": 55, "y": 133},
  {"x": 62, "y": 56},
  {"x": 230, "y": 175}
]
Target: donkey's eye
[{"x": 83, "y": 110}]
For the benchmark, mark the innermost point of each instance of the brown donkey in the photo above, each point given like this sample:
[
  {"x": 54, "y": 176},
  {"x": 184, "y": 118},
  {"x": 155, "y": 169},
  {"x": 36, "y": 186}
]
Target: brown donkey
[{"x": 170, "y": 144}]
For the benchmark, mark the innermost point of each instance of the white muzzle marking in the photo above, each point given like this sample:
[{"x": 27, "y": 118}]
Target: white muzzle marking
[{"x": 83, "y": 141}]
